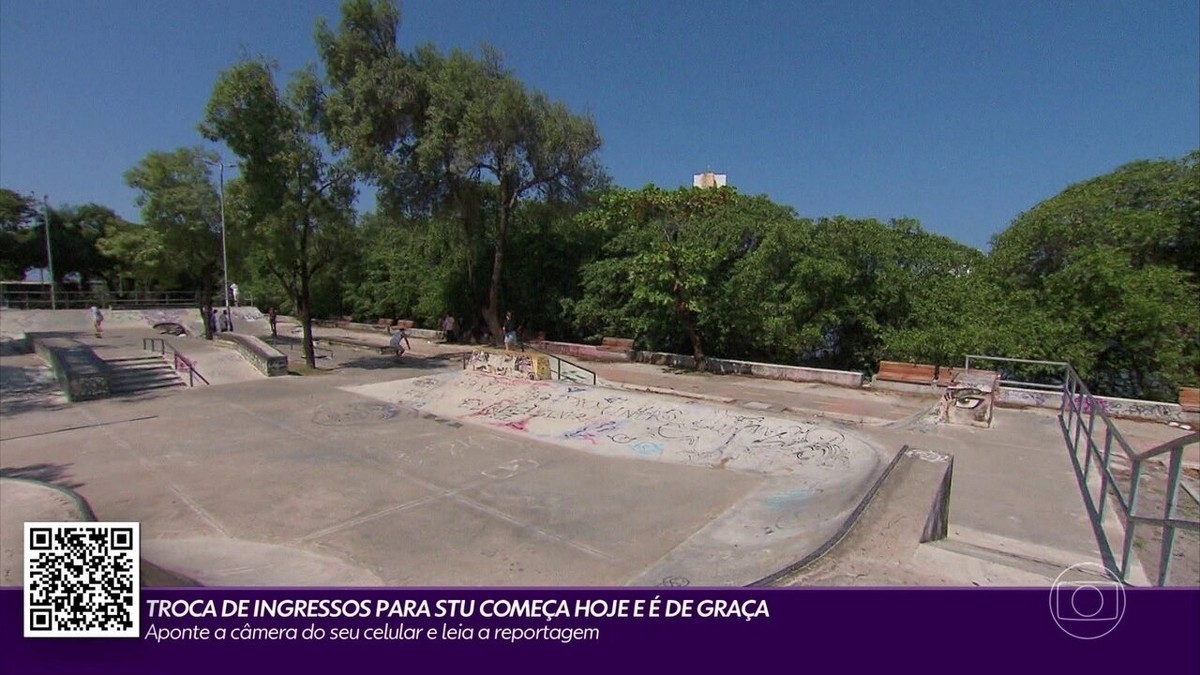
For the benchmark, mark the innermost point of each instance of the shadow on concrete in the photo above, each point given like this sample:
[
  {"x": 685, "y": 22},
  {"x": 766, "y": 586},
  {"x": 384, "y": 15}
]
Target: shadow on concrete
[
  {"x": 24, "y": 388},
  {"x": 388, "y": 361},
  {"x": 53, "y": 474}
]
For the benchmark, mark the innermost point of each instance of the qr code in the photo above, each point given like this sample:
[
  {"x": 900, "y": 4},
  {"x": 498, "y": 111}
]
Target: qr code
[{"x": 82, "y": 579}]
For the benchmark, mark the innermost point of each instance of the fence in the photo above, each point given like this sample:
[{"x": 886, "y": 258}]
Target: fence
[{"x": 39, "y": 297}]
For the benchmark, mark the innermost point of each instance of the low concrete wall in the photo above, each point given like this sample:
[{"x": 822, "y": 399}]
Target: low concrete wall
[
  {"x": 269, "y": 361},
  {"x": 82, "y": 375},
  {"x": 584, "y": 352},
  {"x": 519, "y": 365},
  {"x": 841, "y": 378},
  {"x": 1013, "y": 397}
]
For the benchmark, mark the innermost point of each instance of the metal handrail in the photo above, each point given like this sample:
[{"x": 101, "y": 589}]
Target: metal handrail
[
  {"x": 148, "y": 344},
  {"x": 1018, "y": 383},
  {"x": 1078, "y": 403},
  {"x": 561, "y": 360}
]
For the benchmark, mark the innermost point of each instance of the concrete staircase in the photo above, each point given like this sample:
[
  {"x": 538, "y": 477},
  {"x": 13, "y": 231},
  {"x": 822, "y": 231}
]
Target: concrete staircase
[{"x": 135, "y": 374}]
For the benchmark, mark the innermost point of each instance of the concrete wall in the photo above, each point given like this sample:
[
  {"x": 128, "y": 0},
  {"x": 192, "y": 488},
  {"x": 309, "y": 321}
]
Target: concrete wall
[
  {"x": 1011, "y": 397},
  {"x": 268, "y": 360},
  {"x": 82, "y": 375},
  {"x": 519, "y": 365},
  {"x": 841, "y": 378}
]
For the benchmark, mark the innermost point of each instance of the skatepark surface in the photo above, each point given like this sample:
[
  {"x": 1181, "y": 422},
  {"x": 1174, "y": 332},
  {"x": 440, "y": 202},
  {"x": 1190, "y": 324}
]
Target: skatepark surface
[{"x": 371, "y": 472}]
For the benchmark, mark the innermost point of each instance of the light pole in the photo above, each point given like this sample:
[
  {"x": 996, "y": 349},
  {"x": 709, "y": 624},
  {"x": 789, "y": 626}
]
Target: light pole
[
  {"x": 224, "y": 249},
  {"x": 49, "y": 253}
]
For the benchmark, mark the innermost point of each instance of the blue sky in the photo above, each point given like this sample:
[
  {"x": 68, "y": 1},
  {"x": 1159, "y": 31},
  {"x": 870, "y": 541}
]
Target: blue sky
[{"x": 961, "y": 114}]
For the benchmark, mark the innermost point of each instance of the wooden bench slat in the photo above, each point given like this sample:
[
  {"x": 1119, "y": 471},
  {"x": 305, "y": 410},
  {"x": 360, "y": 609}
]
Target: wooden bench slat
[
  {"x": 917, "y": 373},
  {"x": 1189, "y": 399}
]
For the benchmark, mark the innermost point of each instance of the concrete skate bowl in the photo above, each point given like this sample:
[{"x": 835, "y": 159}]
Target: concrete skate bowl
[
  {"x": 25, "y": 500},
  {"x": 808, "y": 480}
]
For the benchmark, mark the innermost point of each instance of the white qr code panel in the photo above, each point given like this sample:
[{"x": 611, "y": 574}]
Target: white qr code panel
[{"x": 82, "y": 579}]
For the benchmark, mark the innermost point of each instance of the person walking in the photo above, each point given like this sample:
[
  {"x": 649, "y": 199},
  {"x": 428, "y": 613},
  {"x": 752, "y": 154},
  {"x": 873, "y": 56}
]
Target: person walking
[{"x": 272, "y": 316}]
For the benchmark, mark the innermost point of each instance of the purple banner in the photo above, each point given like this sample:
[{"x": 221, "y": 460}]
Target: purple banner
[{"x": 587, "y": 630}]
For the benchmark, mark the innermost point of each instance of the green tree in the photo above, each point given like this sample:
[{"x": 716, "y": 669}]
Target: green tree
[
  {"x": 664, "y": 274},
  {"x": 18, "y": 227},
  {"x": 298, "y": 201},
  {"x": 436, "y": 131},
  {"x": 1110, "y": 266},
  {"x": 181, "y": 205}
]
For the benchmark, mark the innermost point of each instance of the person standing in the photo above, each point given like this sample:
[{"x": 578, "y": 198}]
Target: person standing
[
  {"x": 224, "y": 320},
  {"x": 510, "y": 332},
  {"x": 234, "y": 290},
  {"x": 97, "y": 319},
  {"x": 272, "y": 316}
]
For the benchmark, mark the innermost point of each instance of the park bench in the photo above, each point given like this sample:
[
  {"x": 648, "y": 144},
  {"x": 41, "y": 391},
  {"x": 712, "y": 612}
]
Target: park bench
[
  {"x": 612, "y": 344},
  {"x": 1189, "y": 399},
  {"x": 913, "y": 373},
  {"x": 386, "y": 324}
]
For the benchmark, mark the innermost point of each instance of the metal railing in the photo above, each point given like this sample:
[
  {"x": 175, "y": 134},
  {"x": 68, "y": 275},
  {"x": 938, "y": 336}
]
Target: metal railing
[
  {"x": 1093, "y": 449},
  {"x": 40, "y": 298},
  {"x": 1057, "y": 368},
  {"x": 556, "y": 366},
  {"x": 1078, "y": 415},
  {"x": 181, "y": 362},
  {"x": 293, "y": 342}
]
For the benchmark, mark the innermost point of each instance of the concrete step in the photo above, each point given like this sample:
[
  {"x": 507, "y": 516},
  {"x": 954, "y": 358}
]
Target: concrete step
[{"x": 132, "y": 374}]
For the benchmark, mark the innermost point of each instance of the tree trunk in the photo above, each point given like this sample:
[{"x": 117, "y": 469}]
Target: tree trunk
[
  {"x": 310, "y": 358},
  {"x": 689, "y": 327},
  {"x": 491, "y": 313}
]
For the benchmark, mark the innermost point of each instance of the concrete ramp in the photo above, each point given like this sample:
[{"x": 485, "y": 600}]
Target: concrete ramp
[{"x": 811, "y": 477}]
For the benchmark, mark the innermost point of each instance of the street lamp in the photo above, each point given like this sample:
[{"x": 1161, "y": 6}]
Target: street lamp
[
  {"x": 49, "y": 252},
  {"x": 224, "y": 250}
]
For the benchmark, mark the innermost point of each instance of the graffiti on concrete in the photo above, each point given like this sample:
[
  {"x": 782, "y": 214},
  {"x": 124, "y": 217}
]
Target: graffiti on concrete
[
  {"x": 354, "y": 414},
  {"x": 927, "y": 455},
  {"x": 1029, "y": 397},
  {"x": 519, "y": 366},
  {"x": 639, "y": 425}
]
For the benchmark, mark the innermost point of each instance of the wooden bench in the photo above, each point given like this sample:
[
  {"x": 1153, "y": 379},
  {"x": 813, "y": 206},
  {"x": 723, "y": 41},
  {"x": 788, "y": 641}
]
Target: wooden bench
[
  {"x": 913, "y": 373},
  {"x": 613, "y": 344},
  {"x": 1189, "y": 399}
]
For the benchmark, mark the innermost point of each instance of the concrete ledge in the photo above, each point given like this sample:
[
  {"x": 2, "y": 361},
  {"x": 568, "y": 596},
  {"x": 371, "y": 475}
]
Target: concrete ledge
[
  {"x": 269, "y": 360},
  {"x": 82, "y": 375}
]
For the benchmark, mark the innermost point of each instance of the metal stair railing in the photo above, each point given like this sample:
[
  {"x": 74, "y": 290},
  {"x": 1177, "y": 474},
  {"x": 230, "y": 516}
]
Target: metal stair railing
[{"x": 181, "y": 361}]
